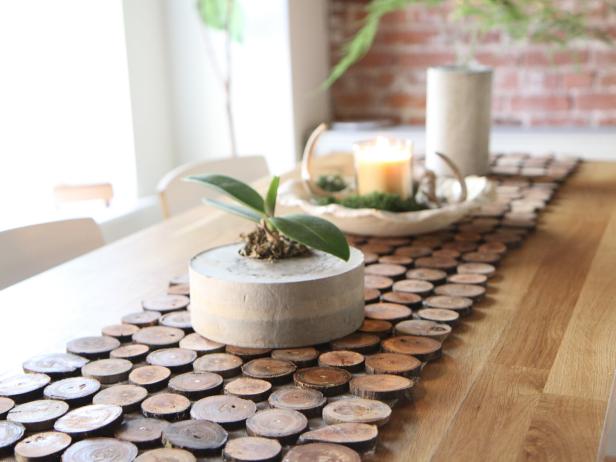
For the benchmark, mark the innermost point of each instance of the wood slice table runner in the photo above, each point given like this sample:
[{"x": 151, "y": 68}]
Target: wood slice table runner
[{"x": 150, "y": 381}]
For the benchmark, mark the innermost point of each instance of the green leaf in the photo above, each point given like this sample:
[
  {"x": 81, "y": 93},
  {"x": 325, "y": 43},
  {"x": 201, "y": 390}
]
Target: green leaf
[
  {"x": 214, "y": 14},
  {"x": 314, "y": 232},
  {"x": 235, "y": 210},
  {"x": 270, "y": 198},
  {"x": 233, "y": 188}
]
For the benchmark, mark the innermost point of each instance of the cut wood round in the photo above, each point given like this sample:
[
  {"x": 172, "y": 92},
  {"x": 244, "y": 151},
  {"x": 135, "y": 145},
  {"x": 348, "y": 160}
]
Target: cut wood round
[
  {"x": 142, "y": 431},
  {"x": 305, "y": 400},
  {"x": 343, "y": 359},
  {"x": 10, "y": 433},
  {"x": 301, "y": 357},
  {"x": 229, "y": 411},
  {"x": 179, "y": 289},
  {"x": 396, "y": 260},
  {"x": 142, "y": 318},
  {"x": 479, "y": 279},
  {"x": 275, "y": 371},
  {"x": 196, "y": 385},
  {"x": 386, "y": 311},
  {"x": 248, "y": 353},
  {"x": 383, "y": 387},
  {"x": 175, "y": 359},
  {"x": 74, "y": 390},
  {"x": 386, "y": 269},
  {"x": 201, "y": 345},
  {"x": 378, "y": 248},
  {"x": 421, "y": 328},
  {"x": 167, "y": 406},
  {"x": 284, "y": 425},
  {"x": 200, "y": 437},
  {"x": 165, "y": 303},
  {"x": 107, "y": 371},
  {"x": 38, "y": 415},
  {"x": 393, "y": 363},
  {"x": 134, "y": 352},
  {"x": 55, "y": 365},
  {"x": 371, "y": 295},
  {"x": 413, "y": 251},
  {"x": 377, "y": 282},
  {"x": 435, "y": 276},
  {"x": 179, "y": 279},
  {"x": 510, "y": 240},
  {"x": 321, "y": 451},
  {"x": 493, "y": 247},
  {"x": 370, "y": 258},
  {"x": 89, "y": 420},
  {"x": 467, "y": 237},
  {"x": 123, "y": 332},
  {"x": 92, "y": 347},
  {"x": 376, "y": 327},
  {"x": 393, "y": 241},
  {"x": 166, "y": 455},
  {"x": 99, "y": 449},
  {"x": 447, "y": 264},
  {"x": 446, "y": 253},
  {"x": 330, "y": 381},
  {"x": 159, "y": 336},
  {"x": 356, "y": 410},
  {"x": 402, "y": 298},
  {"x": 359, "y": 342},
  {"x": 6, "y": 404},
  {"x": 477, "y": 268},
  {"x": 448, "y": 317},
  {"x": 481, "y": 257},
  {"x": 23, "y": 387},
  {"x": 224, "y": 364},
  {"x": 431, "y": 241},
  {"x": 281, "y": 298},
  {"x": 127, "y": 396},
  {"x": 474, "y": 292},
  {"x": 414, "y": 286},
  {"x": 461, "y": 305},
  {"x": 42, "y": 446},
  {"x": 252, "y": 449},
  {"x": 177, "y": 319},
  {"x": 359, "y": 436},
  {"x": 460, "y": 246},
  {"x": 423, "y": 348},
  {"x": 151, "y": 378},
  {"x": 248, "y": 388}
]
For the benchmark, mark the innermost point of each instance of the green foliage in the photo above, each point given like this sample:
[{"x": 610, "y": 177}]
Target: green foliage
[
  {"x": 375, "y": 200},
  {"x": 233, "y": 188},
  {"x": 223, "y": 15},
  {"x": 270, "y": 198},
  {"x": 331, "y": 183}
]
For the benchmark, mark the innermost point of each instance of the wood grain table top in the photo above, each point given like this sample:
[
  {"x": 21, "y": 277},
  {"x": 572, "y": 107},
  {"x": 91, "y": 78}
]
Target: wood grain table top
[{"x": 526, "y": 377}]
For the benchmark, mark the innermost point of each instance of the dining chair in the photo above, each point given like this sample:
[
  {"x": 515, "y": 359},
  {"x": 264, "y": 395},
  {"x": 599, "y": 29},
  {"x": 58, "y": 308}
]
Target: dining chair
[
  {"x": 29, "y": 250},
  {"x": 177, "y": 195}
]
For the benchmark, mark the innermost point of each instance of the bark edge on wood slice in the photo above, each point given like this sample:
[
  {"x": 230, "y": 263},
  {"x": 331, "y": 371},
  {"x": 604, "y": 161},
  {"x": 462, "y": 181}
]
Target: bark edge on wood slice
[
  {"x": 167, "y": 406},
  {"x": 301, "y": 357},
  {"x": 23, "y": 387},
  {"x": 249, "y": 388},
  {"x": 42, "y": 446},
  {"x": 342, "y": 359},
  {"x": 223, "y": 364},
  {"x": 422, "y": 328},
  {"x": 393, "y": 363},
  {"x": 276, "y": 371},
  {"x": 358, "y": 436},
  {"x": 386, "y": 311},
  {"x": 384, "y": 387},
  {"x": 55, "y": 365},
  {"x": 38, "y": 415},
  {"x": 95, "y": 347},
  {"x": 358, "y": 342},
  {"x": 175, "y": 359},
  {"x": 107, "y": 371},
  {"x": 284, "y": 425},
  {"x": 448, "y": 317},
  {"x": 330, "y": 381},
  {"x": 196, "y": 385},
  {"x": 229, "y": 411},
  {"x": 201, "y": 345},
  {"x": 127, "y": 396},
  {"x": 152, "y": 378},
  {"x": 423, "y": 348},
  {"x": 159, "y": 336},
  {"x": 143, "y": 432},
  {"x": 10, "y": 433},
  {"x": 74, "y": 390},
  {"x": 89, "y": 420},
  {"x": 201, "y": 437},
  {"x": 377, "y": 327}
]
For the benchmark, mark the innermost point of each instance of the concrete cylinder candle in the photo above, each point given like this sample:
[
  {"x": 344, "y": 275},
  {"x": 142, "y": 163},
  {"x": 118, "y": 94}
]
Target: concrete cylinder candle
[{"x": 384, "y": 165}]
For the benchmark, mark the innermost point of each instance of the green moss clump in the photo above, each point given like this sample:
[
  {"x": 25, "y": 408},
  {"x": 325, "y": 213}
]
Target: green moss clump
[
  {"x": 331, "y": 183},
  {"x": 376, "y": 200}
]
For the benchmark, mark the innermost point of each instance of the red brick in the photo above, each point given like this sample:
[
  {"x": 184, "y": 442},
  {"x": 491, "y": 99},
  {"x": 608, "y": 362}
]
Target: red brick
[
  {"x": 425, "y": 59},
  {"x": 548, "y": 57},
  {"x": 594, "y": 101},
  {"x": 605, "y": 57},
  {"x": 495, "y": 59},
  {"x": 581, "y": 79},
  {"x": 352, "y": 99},
  {"x": 558, "y": 121},
  {"x": 607, "y": 121},
  {"x": 540, "y": 102},
  {"x": 607, "y": 80},
  {"x": 506, "y": 80},
  {"x": 406, "y": 37},
  {"x": 406, "y": 100}
]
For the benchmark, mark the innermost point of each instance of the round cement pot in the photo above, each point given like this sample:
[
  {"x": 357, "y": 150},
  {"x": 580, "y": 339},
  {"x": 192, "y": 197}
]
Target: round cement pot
[
  {"x": 288, "y": 303},
  {"x": 458, "y": 118}
]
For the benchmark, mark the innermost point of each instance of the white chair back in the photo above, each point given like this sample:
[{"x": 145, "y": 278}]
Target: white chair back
[
  {"x": 177, "y": 195},
  {"x": 31, "y": 249}
]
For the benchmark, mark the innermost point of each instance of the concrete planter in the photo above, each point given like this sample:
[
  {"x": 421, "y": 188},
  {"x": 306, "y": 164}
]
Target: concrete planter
[{"x": 295, "y": 302}]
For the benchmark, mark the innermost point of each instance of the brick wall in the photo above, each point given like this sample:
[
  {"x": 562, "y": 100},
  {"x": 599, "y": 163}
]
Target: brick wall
[{"x": 533, "y": 85}]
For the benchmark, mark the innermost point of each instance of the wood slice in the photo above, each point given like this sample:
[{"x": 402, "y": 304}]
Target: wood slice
[
  {"x": 179, "y": 279},
  {"x": 165, "y": 303},
  {"x": 151, "y": 378},
  {"x": 474, "y": 292},
  {"x": 248, "y": 353},
  {"x": 402, "y": 298},
  {"x": 201, "y": 345},
  {"x": 42, "y": 446},
  {"x": 370, "y": 258},
  {"x": 179, "y": 289},
  {"x": 377, "y": 282},
  {"x": 127, "y": 396},
  {"x": 510, "y": 240},
  {"x": 135, "y": 352},
  {"x": 481, "y": 257},
  {"x": 200, "y": 437},
  {"x": 414, "y": 286},
  {"x": 167, "y": 406},
  {"x": 107, "y": 371},
  {"x": 448, "y": 317},
  {"x": 321, "y": 452},
  {"x": 477, "y": 268},
  {"x": 447, "y": 264},
  {"x": 351, "y": 361},
  {"x": 383, "y": 387},
  {"x": 423, "y": 348},
  {"x": 100, "y": 449},
  {"x": 142, "y": 318},
  {"x": 460, "y": 246},
  {"x": 330, "y": 381},
  {"x": 461, "y": 305},
  {"x": 414, "y": 251},
  {"x": 446, "y": 253},
  {"x": 479, "y": 279},
  {"x": 74, "y": 390},
  {"x": 159, "y": 337},
  {"x": 357, "y": 410},
  {"x": 224, "y": 364},
  {"x": 38, "y": 415},
  {"x": 275, "y": 371},
  {"x": 376, "y": 327},
  {"x": 377, "y": 248},
  {"x": 493, "y": 247},
  {"x": 301, "y": 357},
  {"x": 385, "y": 269},
  {"x": 385, "y": 311},
  {"x": 435, "y": 276},
  {"x": 6, "y": 404},
  {"x": 248, "y": 388},
  {"x": 359, "y": 342},
  {"x": 371, "y": 295},
  {"x": 142, "y": 432},
  {"x": 252, "y": 449},
  {"x": 229, "y": 411},
  {"x": 92, "y": 347},
  {"x": 123, "y": 332},
  {"x": 393, "y": 363},
  {"x": 55, "y": 365},
  {"x": 10, "y": 433},
  {"x": 284, "y": 425},
  {"x": 174, "y": 359},
  {"x": 359, "y": 436},
  {"x": 177, "y": 319},
  {"x": 166, "y": 455},
  {"x": 393, "y": 241},
  {"x": 431, "y": 242},
  {"x": 396, "y": 260},
  {"x": 23, "y": 387},
  {"x": 196, "y": 385},
  {"x": 305, "y": 400},
  {"x": 89, "y": 420},
  {"x": 467, "y": 237}
]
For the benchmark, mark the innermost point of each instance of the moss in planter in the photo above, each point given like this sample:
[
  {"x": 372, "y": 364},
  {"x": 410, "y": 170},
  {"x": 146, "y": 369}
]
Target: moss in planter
[
  {"x": 265, "y": 244},
  {"x": 376, "y": 200},
  {"x": 331, "y": 183}
]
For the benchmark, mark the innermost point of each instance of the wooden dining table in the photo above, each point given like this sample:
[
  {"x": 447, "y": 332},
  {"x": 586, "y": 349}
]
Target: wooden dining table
[{"x": 526, "y": 376}]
